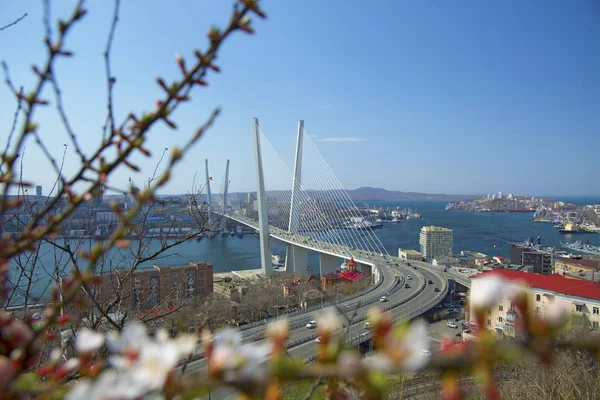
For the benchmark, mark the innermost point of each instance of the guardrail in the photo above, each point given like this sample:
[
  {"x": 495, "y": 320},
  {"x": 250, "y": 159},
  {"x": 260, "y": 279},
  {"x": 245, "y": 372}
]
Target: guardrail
[
  {"x": 298, "y": 324},
  {"x": 428, "y": 306}
]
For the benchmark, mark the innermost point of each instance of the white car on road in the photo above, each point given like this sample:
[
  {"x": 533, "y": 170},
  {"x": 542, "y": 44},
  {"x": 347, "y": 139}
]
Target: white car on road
[
  {"x": 311, "y": 325},
  {"x": 452, "y": 324}
]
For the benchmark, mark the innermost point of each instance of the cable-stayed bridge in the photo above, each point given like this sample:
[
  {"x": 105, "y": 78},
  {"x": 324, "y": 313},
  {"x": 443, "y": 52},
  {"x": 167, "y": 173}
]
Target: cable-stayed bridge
[{"x": 305, "y": 207}]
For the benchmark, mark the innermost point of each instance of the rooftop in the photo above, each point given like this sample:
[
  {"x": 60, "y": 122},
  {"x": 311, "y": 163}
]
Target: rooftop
[
  {"x": 351, "y": 275},
  {"x": 432, "y": 228},
  {"x": 553, "y": 283},
  {"x": 583, "y": 262},
  {"x": 411, "y": 252}
]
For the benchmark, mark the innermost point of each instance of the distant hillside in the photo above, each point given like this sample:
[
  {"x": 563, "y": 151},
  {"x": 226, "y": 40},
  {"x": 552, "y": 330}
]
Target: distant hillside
[{"x": 371, "y": 193}]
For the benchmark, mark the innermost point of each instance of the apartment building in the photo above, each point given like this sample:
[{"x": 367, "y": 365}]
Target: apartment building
[
  {"x": 577, "y": 268},
  {"x": 577, "y": 298},
  {"x": 534, "y": 260},
  {"x": 159, "y": 286},
  {"x": 436, "y": 242}
]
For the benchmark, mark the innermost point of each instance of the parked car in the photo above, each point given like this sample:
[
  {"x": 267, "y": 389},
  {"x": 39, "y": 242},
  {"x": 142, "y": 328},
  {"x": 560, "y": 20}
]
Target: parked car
[
  {"x": 311, "y": 325},
  {"x": 318, "y": 339},
  {"x": 430, "y": 281},
  {"x": 408, "y": 264},
  {"x": 436, "y": 289},
  {"x": 409, "y": 277},
  {"x": 367, "y": 325},
  {"x": 426, "y": 352},
  {"x": 452, "y": 324},
  {"x": 464, "y": 325},
  {"x": 406, "y": 285},
  {"x": 383, "y": 299}
]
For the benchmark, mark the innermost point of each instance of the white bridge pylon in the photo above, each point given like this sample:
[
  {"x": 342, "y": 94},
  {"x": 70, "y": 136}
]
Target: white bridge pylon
[{"x": 307, "y": 208}]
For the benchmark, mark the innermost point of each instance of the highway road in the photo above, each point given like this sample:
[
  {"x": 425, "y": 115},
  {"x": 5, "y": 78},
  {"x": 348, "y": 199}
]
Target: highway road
[
  {"x": 411, "y": 304},
  {"x": 410, "y": 301},
  {"x": 404, "y": 302}
]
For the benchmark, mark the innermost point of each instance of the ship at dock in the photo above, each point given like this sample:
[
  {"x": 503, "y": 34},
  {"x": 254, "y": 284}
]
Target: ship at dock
[
  {"x": 537, "y": 245},
  {"x": 571, "y": 228},
  {"x": 582, "y": 247}
]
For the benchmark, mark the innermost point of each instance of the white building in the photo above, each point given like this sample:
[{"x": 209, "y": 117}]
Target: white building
[
  {"x": 409, "y": 255},
  {"x": 435, "y": 242},
  {"x": 578, "y": 298}
]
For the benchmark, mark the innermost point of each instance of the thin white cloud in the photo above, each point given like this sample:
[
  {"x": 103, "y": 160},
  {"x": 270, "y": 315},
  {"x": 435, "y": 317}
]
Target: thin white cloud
[
  {"x": 325, "y": 106},
  {"x": 342, "y": 139}
]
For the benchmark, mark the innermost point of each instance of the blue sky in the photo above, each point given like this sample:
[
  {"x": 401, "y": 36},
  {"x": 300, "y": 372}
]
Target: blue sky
[{"x": 440, "y": 97}]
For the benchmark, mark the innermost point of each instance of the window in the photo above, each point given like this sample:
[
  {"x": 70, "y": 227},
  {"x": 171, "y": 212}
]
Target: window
[
  {"x": 579, "y": 307},
  {"x": 489, "y": 322},
  {"x": 595, "y": 324},
  {"x": 596, "y": 310},
  {"x": 489, "y": 311},
  {"x": 500, "y": 308},
  {"x": 538, "y": 297},
  {"x": 538, "y": 311},
  {"x": 499, "y": 319}
]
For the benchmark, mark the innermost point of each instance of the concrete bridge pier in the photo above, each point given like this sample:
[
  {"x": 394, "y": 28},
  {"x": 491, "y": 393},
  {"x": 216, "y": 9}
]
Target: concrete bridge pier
[
  {"x": 375, "y": 274},
  {"x": 328, "y": 263},
  {"x": 296, "y": 260}
]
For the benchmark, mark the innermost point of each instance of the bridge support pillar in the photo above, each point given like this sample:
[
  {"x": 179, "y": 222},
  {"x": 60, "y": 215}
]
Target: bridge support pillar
[
  {"x": 328, "y": 262},
  {"x": 208, "y": 196},
  {"x": 296, "y": 260},
  {"x": 367, "y": 270},
  {"x": 263, "y": 222},
  {"x": 375, "y": 274},
  {"x": 225, "y": 190},
  {"x": 295, "y": 203}
]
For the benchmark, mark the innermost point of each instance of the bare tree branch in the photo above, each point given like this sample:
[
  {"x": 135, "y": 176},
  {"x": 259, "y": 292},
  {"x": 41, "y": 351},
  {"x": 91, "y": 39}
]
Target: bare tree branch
[{"x": 14, "y": 22}]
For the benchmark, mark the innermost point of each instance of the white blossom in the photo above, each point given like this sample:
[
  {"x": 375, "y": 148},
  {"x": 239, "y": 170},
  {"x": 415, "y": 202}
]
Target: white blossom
[
  {"x": 487, "y": 291},
  {"x": 88, "y": 341},
  {"x": 132, "y": 338},
  {"x": 278, "y": 328},
  {"x": 379, "y": 362},
  {"x": 349, "y": 364},
  {"x": 415, "y": 341},
  {"x": 140, "y": 366},
  {"x": 328, "y": 321},
  {"x": 235, "y": 361},
  {"x": 554, "y": 314}
]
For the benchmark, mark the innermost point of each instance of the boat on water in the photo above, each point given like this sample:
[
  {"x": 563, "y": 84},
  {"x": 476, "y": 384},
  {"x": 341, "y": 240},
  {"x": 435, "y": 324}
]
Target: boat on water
[
  {"x": 571, "y": 228},
  {"x": 225, "y": 232},
  {"x": 582, "y": 247},
  {"x": 537, "y": 245}
]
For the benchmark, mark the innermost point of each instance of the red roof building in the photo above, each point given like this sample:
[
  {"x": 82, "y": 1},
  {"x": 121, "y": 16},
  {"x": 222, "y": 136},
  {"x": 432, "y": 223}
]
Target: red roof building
[{"x": 551, "y": 283}]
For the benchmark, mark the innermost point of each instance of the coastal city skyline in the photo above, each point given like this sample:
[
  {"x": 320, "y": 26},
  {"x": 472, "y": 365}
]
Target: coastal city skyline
[
  {"x": 427, "y": 116},
  {"x": 403, "y": 190}
]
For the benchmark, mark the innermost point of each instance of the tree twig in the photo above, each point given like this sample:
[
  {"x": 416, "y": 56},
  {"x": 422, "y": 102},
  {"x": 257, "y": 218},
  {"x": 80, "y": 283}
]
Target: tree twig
[{"x": 22, "y": 17}]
